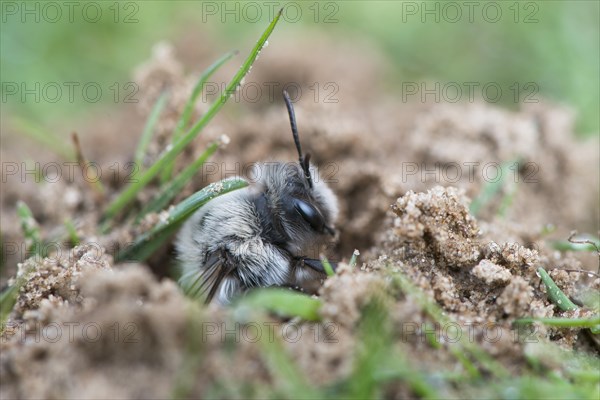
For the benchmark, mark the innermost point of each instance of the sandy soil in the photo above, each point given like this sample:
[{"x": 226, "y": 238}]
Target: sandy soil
[{"x": 394, "y": 166}]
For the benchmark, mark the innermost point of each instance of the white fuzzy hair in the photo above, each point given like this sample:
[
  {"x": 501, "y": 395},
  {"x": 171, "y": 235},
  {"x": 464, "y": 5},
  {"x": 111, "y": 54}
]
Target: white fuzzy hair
[{"x": 232, "y": 223}]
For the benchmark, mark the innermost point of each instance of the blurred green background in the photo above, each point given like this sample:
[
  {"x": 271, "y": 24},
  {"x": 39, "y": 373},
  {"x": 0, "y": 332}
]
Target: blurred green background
[{"x": 554, "y": 44}]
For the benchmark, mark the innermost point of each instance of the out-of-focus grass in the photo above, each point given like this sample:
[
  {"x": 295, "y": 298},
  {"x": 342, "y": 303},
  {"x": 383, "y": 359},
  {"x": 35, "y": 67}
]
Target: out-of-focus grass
[
  {"x": 283, "y": 302},
  {"x": 186, "y": 115},
  {"x": 43, "y": 137},
  {"x": 553, "y": 44},
  {"x": 564, "y": 322},
  {"x": 464, "y": 350},
  {"x": 30, "y": 228},
  {"x": 146, "y": 137},
  {"x": 31, "y": 232},
  {"x": 380, "y": 357},
  {"x": 376, "y": 360},
  {"x": 8, "y": 299},
  {"x": 491, "y": 189},
  {"x": 72, "y": 232},
  {"x": 585, "y": 243}
]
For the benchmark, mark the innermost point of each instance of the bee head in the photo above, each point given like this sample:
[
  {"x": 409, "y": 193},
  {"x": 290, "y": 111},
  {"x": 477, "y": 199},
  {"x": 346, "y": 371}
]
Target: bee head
[
  {"x": 304, "y": 205},
  {"x": 320, "y": 196},
  {"x": 302, "y": 213}
]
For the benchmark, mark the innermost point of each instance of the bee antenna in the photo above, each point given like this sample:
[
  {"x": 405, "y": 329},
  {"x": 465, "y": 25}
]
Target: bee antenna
[{"x": 304, "y": 161}]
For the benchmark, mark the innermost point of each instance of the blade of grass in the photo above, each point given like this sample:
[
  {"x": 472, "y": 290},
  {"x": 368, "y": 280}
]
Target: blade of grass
[
  {"x": 283, "y": 302},
  {"x": 176, "y": 185},
  {"x": 463, "y": 347},
  {"x": 574, "y": 366},
  {"x": 491, "y": 188},
  {"x": 354, "y": 258},
  {"x": 377, "y": 360},
  {"x": 590, "y": 243},
  {"x": 147, "y": 243},
  {"x": 72, "y": 232},
  {"x": 431, "y": 335},
  {"x": 8, "y": 299},
  {"x": 38, "y": 175},
  {"x": 589, "y": 298},
  {"x": 96, "y": 186},
  {"x": 554, "y": 293},
  {"x": 125, "y": 197},
  {"x": 53, "y": 142},
  {"x": 289, "y": 379},
  {"x": 142, "y": 146},
  {"x": 2, "y": 255},
  {"x": 30, "y": 228},
  {"x": 401, "y": 369},
  {"x": 535, "y": 387},
  {"x": 374, "y": 342},
  {"x": 327, "y": 266},
  {"x": 185, "y": 117},
  {"x": 565, "y": 304},
  {"x": 563, "y": 245},
  {"x": 193, "y": 357},
  {"x": 508, "y": 198},
  {"x": 563, "y": 322}
]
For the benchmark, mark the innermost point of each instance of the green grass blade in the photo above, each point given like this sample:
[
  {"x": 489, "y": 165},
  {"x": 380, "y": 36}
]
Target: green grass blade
[
  {"x": 589, "y": 298},
  {"x": 283, "y": 302},
  {"x": 378, "y": 361},
  {"x": 564, "y": 245},
  {"x": 193, "y": 356},
  {"x": 401, "y": 369},
  {"x": 8, "y": 299},
  {"x": 53, "y": 142},
  {"x": 184, "y": 119},
  {"x": 491, "y": 188},
  {"x": 30, "y": 228},
  {"x": 554, "y": 293},
  {"x": 171, "y": 152},
  {"x": 147, "y": 243},
  {"x": 157, "y": 109},
  {"x": 38, "y": 175},
  {"x": 508, "y": 198},
  {"x": 327, "y": 266},
  {"x": 464, "y": 349},
  {"x": 289, "y": 380},
  {"x": 176, "y": 185},
  {"x": 72, "y": 232},
  {"x": 96, "y": 186},
  {"x": 373, "y": 346},
  {"x": 593, "y": 322},
  {"x": 354, "y": 258}
]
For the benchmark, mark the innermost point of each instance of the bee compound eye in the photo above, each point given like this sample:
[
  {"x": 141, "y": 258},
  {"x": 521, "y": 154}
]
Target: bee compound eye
[{"x": 310, "y": 214}]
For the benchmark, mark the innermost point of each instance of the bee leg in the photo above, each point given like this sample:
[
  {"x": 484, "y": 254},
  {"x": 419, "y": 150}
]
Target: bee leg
[
  {"x": 317, "y": 265},
  {"x": 218, "y": 265}
]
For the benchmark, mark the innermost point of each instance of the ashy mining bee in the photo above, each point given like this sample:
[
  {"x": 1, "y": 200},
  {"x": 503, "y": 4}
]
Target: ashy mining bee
[{"x": 269, "y": 233}]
